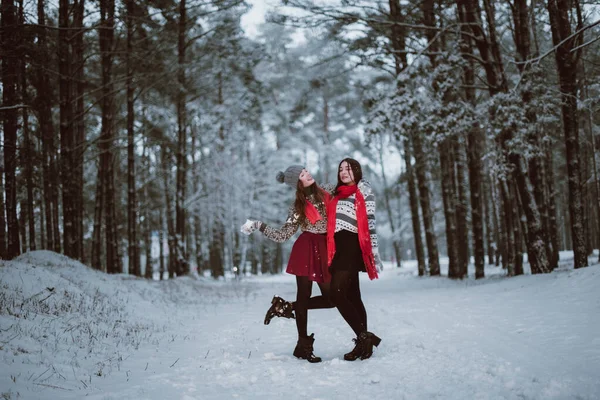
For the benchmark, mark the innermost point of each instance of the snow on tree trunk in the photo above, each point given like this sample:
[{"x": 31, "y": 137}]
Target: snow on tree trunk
[
  {"x": 414, "y": 209},
  {"x": 425, "y": 199},
  {"x": 462, "y": 211},
  {"x": 550, "y": 194},
  {"x": 566, "y": 64},
  {"x": 474, "y": 156}
]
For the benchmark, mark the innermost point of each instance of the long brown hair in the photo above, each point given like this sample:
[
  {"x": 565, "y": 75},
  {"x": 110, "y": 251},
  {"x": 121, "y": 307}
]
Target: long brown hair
[
  {"x": 356, "y": 171},
  {"x": 300, "y": 203}
]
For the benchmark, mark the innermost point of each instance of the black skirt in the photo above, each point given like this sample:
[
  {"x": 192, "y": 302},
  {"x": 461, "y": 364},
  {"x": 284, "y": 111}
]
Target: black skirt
[{"x": 348, "y": 255}]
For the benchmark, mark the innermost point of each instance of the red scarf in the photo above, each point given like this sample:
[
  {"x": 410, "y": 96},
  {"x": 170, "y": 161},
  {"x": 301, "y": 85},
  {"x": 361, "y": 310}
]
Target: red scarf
[
  {"x": 364, "y": 238},
  {"x": 311, "y": 211}
]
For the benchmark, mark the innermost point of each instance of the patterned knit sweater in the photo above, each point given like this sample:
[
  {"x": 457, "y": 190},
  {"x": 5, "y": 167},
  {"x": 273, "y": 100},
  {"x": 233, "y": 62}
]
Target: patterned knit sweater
[
  {"x": 293, "y": 222},
  {"x": 346, "y": 213}
]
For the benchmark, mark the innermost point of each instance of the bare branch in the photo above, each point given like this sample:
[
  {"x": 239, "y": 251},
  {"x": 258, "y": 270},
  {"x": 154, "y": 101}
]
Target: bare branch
[{"x": 553, "y": 49}]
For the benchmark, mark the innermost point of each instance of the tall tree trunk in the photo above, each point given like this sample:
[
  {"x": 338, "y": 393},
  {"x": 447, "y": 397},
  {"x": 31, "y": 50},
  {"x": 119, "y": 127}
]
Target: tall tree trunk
[
  {"x": 265, "y": 257},
  {"x": 66, "y": 128},
  {"x": 161, "y": 244},
  {"x": 253, "y": 255},
  {"x": 40, "y": 201},
  {"x": 449, "y": 198},
  {"x": 197, "y": 222},
  {"x": 23, "y": 229},
  {"x": 79, "y": 126},
  {"x": 520, "y": 229},
  {"x": 462, "y": 210},
  {"x": 148, "y": 269},
  {"x": 27, "y": 156},
  {"x": 566, "y": 64},
  {"x": 491, "y": 230},
  {"x": 132, "y": 220},
  {"x": 508, "y": 256},
  {"x": 10, "y": 72},
  {"x": 489, "y": 51},
  {"x": 326, "y": 140},
  {"x": 388, "y": 208},
  {"x": 420, "y": 157},
  {"x": 44, "y": 111},
  {"x": 182, "y": 264},
  {"x": 172, "y": 243},
  {"x": 414, "y": 209},
  {"x": 536, "y": 248},
  {"x": 536, "y": 169},
  {"x": 217, "y": 248},
  {"x": 425, "y": 199},
  {"x": 474, "y": 156},
  {"x": 106, "y": 35},
  {"x": 398, "y": 40},
  {"x": 2, "y": 213},
  {"x": 147, "y": 211},
  {"x": 590, "y": 125},
  {"x": 98, "y": 216}
]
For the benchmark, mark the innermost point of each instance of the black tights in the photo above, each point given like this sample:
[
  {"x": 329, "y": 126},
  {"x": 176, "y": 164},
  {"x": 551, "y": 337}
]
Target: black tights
[
  {"x": 345, "y": 294},
  {"x": 304, "y": 302}
]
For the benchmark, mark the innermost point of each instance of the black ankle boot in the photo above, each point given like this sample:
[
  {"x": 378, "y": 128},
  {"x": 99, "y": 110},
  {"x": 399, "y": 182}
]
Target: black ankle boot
[
  {"x": 356, "y": 351},
  {"x": 279, "y": 308},
  {"x": 368, "y": 340},
  {"x": 304, "y": 349}
]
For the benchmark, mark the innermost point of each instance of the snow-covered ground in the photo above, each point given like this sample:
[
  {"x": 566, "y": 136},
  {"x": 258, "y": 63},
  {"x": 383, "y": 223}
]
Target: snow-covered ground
[{"x": 68, "y": 332}]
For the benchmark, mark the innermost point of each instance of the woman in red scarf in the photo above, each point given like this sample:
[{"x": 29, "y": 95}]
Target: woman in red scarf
[
  {"x": 352, "y": 247},
  {"x": 308, "y": 260}
]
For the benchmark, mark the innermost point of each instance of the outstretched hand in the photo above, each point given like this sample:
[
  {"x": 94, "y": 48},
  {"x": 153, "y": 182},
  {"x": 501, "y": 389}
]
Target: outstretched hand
[{"x": 250, "y": 226}]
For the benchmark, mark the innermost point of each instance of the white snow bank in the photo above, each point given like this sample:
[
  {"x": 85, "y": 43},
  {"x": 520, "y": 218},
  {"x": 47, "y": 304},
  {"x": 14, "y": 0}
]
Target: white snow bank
[{"x": 68, "y": 332}]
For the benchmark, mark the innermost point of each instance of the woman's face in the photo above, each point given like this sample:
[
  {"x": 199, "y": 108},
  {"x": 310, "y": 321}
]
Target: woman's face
[
  {"x": 306, "y": 178},
  {"x": 346, "y": 174}
]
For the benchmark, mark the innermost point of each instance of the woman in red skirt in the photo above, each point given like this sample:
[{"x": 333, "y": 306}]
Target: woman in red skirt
[{"x": 308, "y": 260}]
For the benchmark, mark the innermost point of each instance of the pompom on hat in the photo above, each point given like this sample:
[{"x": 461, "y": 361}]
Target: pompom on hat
[{"x": 290, "y": 176}]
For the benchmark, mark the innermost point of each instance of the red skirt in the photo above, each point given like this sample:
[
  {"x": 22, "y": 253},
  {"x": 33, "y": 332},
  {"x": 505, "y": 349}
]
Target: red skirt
[{"x": 309, "y": 258}]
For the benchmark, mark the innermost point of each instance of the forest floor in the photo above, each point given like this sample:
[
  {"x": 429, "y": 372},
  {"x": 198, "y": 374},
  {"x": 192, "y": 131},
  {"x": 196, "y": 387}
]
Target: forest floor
[{"x": 69, "y": 332}]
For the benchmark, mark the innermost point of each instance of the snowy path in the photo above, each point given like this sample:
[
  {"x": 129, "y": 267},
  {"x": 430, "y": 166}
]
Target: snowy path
[{"x": 502, "y": 339}]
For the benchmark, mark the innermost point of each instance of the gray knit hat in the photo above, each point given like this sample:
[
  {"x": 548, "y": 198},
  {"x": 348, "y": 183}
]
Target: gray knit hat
[{"x": 290, "y": 176}]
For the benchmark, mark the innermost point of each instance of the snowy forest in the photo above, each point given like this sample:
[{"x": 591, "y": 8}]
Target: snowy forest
[{"x": 137, "y": 136}]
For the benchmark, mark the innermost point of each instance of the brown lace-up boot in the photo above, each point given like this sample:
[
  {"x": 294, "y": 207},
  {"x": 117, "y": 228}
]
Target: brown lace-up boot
[
  {"x": 304, "y": 349},
  {"x": 279, "y": 308}
]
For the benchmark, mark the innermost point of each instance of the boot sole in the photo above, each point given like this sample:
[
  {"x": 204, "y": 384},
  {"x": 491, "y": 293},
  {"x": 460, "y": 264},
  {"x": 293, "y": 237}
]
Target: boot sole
[{"x": 317, "y": 360}]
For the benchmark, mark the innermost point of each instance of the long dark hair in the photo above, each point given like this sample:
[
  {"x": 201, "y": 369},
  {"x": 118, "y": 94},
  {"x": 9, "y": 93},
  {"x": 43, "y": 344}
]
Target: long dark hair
[
  {"x": 356, "y": 171},
  {"x": 300, "y": 203}
]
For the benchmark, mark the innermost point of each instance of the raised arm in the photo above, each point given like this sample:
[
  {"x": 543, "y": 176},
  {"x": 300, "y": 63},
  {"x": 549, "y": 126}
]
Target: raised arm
[{"x": 284, "y": 233}]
